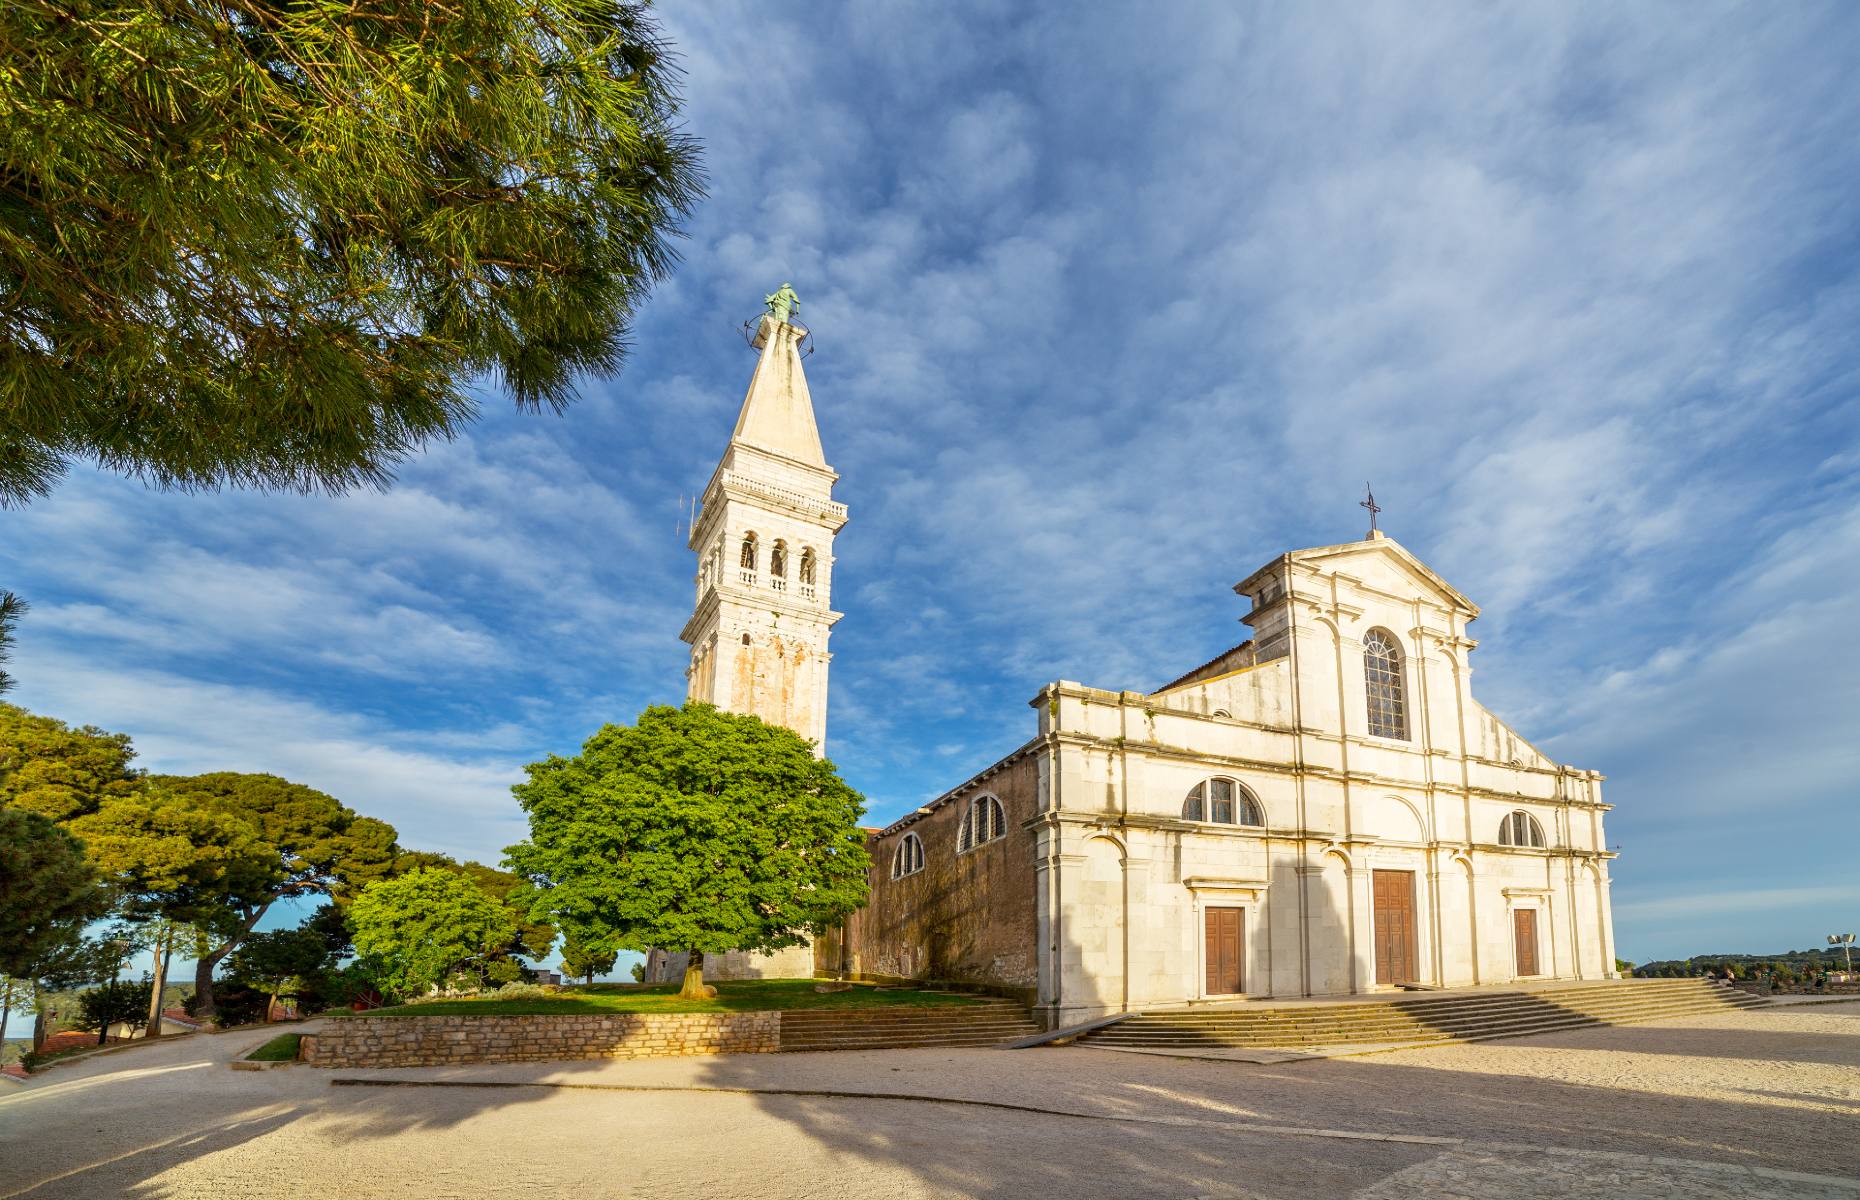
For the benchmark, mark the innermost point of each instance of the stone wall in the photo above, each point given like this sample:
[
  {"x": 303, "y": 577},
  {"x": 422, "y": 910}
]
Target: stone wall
[
  {"x": 446, "y": 1041},
  {"x": 967, "y": 917}
]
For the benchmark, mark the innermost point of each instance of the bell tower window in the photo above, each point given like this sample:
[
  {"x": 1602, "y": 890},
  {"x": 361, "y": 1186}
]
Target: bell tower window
[
  {"x": 778, "y": 566},
  {"x": 807, "y": 573},
  {"x": 746, "y": 564}
]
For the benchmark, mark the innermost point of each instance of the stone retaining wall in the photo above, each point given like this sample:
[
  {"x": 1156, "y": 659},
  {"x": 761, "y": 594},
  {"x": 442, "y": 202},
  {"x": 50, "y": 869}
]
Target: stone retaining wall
[{"x": 445, "y": 1041}]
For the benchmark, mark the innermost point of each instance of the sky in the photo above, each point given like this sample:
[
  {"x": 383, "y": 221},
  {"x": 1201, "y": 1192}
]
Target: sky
[{"x": 1112, "y": 305}]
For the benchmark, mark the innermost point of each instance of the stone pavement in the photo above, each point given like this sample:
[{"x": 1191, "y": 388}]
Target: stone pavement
[{"x": 1757, "y": 1104}]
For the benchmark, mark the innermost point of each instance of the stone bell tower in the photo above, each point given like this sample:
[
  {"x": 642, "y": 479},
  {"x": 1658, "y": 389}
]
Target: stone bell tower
[{"x": 764, "y": 540}]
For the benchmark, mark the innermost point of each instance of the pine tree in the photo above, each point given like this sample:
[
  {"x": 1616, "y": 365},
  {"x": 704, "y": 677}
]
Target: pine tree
[{"x": 267, "y": 244}]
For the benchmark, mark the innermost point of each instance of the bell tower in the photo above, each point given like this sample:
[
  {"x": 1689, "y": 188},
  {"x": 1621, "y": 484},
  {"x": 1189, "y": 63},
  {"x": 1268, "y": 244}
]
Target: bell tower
[{"x": 764, "y": 540}]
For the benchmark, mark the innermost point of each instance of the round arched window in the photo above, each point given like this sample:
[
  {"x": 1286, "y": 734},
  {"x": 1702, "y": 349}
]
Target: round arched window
[
  {"x": 985, "y": 821},
  {"x": 1520, "y": 829},
  {"x": 1222, "y": 801},
  {"x": 908, "y": 858}
]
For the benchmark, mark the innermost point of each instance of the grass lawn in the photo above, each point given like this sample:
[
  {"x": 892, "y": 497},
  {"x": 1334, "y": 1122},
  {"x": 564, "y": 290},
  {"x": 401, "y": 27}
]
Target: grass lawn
[
  {"x": 282, "y": 1048},
  {"x": 746, "y": 995}
]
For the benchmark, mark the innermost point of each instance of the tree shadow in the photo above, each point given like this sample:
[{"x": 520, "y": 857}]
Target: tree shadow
[{"x": 975, "y": 1154}]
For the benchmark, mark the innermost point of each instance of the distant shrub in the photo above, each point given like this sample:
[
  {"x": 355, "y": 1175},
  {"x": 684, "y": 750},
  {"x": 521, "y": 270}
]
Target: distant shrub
[{"x": 520, "y": 991}]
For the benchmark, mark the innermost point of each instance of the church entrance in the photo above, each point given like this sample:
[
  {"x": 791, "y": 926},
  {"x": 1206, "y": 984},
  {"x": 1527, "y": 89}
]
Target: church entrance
[
  {"x": 1394, "y": 926},
  {"x": 1226, "y": 950},
  {"x": 1524, "y": 934}
]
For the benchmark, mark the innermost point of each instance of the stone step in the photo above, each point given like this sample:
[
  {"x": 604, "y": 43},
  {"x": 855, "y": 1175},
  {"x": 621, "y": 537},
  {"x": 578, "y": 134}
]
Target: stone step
[
  {"x": 984, "y": 1023},
  {"x": 893, "y": 1044},
  {"x": 1328, "y": 1014},
  {"x": 971, "y": 1037},
  {"x": 902, "y": 1022},
  {"x": 1444, "y": 1020},
  {"x": 1347, "y": 1033}
]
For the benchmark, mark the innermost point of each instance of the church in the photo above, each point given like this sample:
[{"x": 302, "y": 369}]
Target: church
[{"x": 1322, "y": 810}]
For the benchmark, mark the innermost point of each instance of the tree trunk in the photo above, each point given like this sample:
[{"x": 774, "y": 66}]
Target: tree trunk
[
  {"x": 163, "y": 947},
  {"x": 694, "y": 987},
  {"x": 6, "y": 1010},
  {"x": 204, "y": 1008}
]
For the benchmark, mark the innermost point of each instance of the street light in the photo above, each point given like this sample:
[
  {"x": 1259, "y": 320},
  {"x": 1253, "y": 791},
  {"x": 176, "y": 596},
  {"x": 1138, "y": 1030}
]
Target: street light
[{"x": 1845, "y": 941}]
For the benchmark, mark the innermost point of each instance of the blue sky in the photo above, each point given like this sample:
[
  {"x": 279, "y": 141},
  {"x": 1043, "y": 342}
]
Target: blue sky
[{"x": 1113, "y": 304}]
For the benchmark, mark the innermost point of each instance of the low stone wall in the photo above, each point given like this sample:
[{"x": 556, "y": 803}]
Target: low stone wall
[{"x": 446, "y": 1041}]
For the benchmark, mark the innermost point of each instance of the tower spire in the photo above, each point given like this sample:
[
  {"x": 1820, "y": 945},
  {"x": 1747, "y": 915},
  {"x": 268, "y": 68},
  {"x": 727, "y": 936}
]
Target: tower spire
[
  {"x": 778, "y": 411},
  {"x": 764, "y": 539}
]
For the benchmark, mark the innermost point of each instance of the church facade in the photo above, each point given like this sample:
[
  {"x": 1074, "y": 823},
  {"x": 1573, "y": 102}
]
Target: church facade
[{"x": 1323, "y": 809}]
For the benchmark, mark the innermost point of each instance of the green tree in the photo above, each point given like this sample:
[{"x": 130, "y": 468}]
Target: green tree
[
  {"x": 533, "y": 939},
  {"x": 111, "y": 1003},
  {"x": 581, "y": 962},
  {"x": 11, "y": 609},
  {"x": 263, "y": 244},
  {"x": 48, "y": 893},
  {"x": 282, "y": 962},
  {"x": 694, "y": 829},
  {"x": 48, "y": 889},
  {"x": 425, "y": 927},
  {"x": 58, "y": 771},
  {"x": 306, "y": 843}
]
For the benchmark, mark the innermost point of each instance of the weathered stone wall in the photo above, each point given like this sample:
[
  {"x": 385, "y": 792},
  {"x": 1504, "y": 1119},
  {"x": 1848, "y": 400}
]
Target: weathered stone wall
[
  {"x": 967, "y": 917},
  {"x": 446, "y": 1041}
]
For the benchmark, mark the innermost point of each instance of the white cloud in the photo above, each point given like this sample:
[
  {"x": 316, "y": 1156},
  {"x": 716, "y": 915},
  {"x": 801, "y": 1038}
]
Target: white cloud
[{"x": 459, "y": 803}]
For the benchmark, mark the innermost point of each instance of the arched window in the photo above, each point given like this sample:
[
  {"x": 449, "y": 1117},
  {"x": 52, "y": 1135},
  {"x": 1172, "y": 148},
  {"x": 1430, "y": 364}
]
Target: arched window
[
  {"x": 1520, "y": 829},
  {"x": 807, "y": 573},
  {"x": 747, "y": 562},
  {"x": 778, "y": 566},
  {"x": 985, "y": 821},
  {"x": 1224, "y": 802},
  {"x": 1388, "y": 708},
  {"x": 909, "y": 857}
]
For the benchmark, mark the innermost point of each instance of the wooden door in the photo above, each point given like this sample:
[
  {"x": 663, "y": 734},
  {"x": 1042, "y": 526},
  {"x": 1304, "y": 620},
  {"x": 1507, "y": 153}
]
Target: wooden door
[
  {"x": 1524, "y": 936},
  {"x": 1394, "y": 926},
  {"x": 1226, "y": 946}
]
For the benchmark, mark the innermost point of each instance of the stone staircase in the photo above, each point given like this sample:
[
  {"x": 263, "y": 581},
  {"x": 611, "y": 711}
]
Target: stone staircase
[
  {"x": 988, "y": 1023},
  {"x": 1466, "y": 1016}
]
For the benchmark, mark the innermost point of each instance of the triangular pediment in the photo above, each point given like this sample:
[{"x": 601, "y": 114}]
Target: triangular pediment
[{"x": 1389, "y": 555}]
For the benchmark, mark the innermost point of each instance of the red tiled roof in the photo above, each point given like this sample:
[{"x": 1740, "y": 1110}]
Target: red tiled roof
[
  {"x": 70, "y": 1039},
  {"x": 179, "y": 1016},
  {"x": 13, "y": 1070}
]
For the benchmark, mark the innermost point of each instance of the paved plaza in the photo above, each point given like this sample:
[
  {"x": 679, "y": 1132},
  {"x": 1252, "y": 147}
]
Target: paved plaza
[{"x": 1760, "y": 1103}]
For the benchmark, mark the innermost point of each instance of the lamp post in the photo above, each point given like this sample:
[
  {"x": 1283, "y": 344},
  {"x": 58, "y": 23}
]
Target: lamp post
[{"x": 1845, "y": 941}]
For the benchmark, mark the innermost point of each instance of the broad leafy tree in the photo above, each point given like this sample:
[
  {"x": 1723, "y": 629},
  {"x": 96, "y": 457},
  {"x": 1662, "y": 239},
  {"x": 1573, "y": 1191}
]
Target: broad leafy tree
[
  {"x": 533, "y": 938},
  {"x": 426, "y": 927},
  {"x": 272, "y": 244},
  {"x": 59, "y": 771},
  {"x": 304, "y": 843},
  {"x": 693, "y": 829}
]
